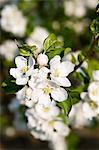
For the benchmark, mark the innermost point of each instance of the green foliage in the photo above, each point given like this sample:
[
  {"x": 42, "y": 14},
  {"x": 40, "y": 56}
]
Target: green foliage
[
  {"x": 72, "y": 140},
  {"x": 10, "y": 86},
  {"x": 95, "y": 26},
  {"x": 52, "y": 46},
  {"x": 26, "y": 50},
  {"x": 66, "y": 105},
  {"x": 67, "y": 50},
  {"x": 92, "y": 65}
]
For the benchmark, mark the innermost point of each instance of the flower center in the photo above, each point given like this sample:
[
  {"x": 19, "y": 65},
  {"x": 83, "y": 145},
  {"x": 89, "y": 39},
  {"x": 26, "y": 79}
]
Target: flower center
[
  {"x": 51, "y": 123},
  {"x": 56, "y": 73},
  {"x": 46, "y": 109},
  {"x": 47, "y": 89},
  {"x": 92, "y": 104},
  {"x": 24, "y": 69}
]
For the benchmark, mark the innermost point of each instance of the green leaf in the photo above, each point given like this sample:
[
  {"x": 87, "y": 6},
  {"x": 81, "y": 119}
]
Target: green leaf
[
  {"x": 67, "y": 50},
  {"x": 72, "y": 140},
  {"x": 26, "y": 50},
  {"x": 66, "y": 106},
  {"x": 54, "y": 52},
  {"x": 10, "y": 86},
  {"x": 95, "y": 26},
  {"x": 74, "y": 97},
  {"x": 80, "y": 57},
  {"x": 49, "y": 41},
  {"x": 52, "y": 46}
]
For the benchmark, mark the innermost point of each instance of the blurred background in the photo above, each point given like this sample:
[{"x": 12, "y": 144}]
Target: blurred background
[{"x": 30, "y": 21}]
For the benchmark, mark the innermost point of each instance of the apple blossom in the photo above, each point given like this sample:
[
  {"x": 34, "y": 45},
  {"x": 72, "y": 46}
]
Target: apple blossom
[
  {"x": 59, "y": 71},
  {"x": 69, "y": 57},
  {"x": 23, "y": 71},
  {"x": 47, "y": 111},
  {"x": 48, "y": 88},
  {"x": 12, "y": 20},
  {"x": 93, "y": 91}
]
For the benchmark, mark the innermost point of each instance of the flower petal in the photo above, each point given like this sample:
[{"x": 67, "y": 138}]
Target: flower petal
[
  {"x": 59, "y": 94},
  {"x": 55, "y": 61},
  {"x": 31, "y": 62},
  {"x": 61, "y": 81},
  {"x": 20, "y": 61},
  {"x": 22, "y": 81},
  {"x": 66, "y": 68}
]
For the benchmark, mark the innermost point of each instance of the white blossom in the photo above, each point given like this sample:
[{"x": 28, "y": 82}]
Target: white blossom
[
  {"x": 90, "y": 109},
  {"x": 56, "y": 126},
  {"x": 48, "y": 88},
  {"x": 91, "y": 3},
  {"x": 75, "y": 55},
  {"x": 74, "y": 8},
  {"x": 93, "y": 91},
  {"x": 23, "y": 71},
  {"x": 77, "y": 117},
  {"x": 59, "y": 71},
  {"x": 8, "y": 49},
  {"x": 12, "y": 20},
  {"x": 48, "y": 110}
]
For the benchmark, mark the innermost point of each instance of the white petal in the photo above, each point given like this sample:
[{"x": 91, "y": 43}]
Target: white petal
[
  {"x": 54, "y": 111},
  {"x": 21, "y": 94},
  {"x": 55, "y": 61},
  {"x": 43, "y": 72},
  {"x": 20, "y": 61},
  {"x": 66, "y": 68},
  {"x": 93, "y": 91},
  {"x": 29, "y": 103},
  {"x": 31, "y": 62},
  {"x": 22, "y": 81},
  {"x": 45, "y": 101},
  {"x": 13, "y": 72},
  {"x": 62, "y": 81},
  {"x": 59, "y": 94},
  {"x": 62, "y": 128}
]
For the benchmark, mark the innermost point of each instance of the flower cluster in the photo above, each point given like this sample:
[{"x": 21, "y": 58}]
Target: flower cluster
[
  {"x": 91, "y": 97},
  {"x": 87, "y": 109},
  {"x": 12, "y": 20},
  {"x": 78, "y": 8},
  {"x": 44, "y": 87}
]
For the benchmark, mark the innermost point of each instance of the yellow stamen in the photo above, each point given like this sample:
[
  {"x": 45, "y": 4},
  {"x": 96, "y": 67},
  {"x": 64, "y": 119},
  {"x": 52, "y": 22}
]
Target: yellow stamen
[
  {"x": 51, "y": 123},
  {"x": 46, "y": 109},
  {"x": 24, "y": 69},
  {"x": 47, "y": 90},
  {"x": 56, "y": 73},
  {"x": 92, "y": 104}
]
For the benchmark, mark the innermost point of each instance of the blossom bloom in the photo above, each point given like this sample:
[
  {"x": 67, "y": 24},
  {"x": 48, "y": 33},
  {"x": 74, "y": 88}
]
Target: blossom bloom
[
  {"x": 23, "y": 70},
  {"x": 12, "y": 20}
]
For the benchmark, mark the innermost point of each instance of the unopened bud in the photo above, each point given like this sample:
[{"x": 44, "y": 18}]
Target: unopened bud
[{"x": 42, "y": 59}]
